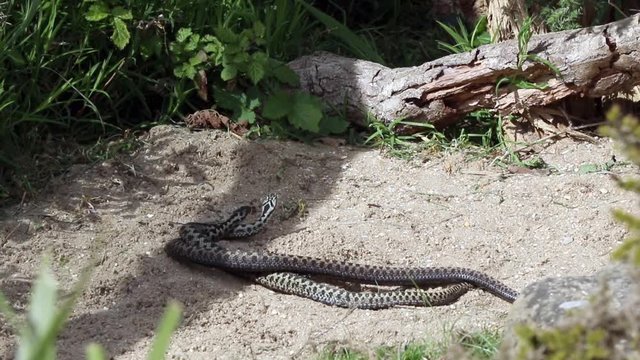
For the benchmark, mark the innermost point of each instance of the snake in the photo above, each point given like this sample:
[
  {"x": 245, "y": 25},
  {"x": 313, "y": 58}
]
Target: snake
[{"x": 198, "y": 243}]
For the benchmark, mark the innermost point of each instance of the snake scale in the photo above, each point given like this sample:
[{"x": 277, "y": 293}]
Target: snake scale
[{"x": 198, "y": 243}]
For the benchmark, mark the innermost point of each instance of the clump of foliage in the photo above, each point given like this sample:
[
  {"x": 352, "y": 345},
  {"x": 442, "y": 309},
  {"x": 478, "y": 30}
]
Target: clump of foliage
[
  {"x": 559, "y": 15},
  {"x": 564, "y": 15},
  {"x": 45, "y": 320},
  {"x": 479, "y": 345},
  {"x": 626, "y": 129},
  {"x": 463, "y": 40},
  {"x": 76, "y": 72}
]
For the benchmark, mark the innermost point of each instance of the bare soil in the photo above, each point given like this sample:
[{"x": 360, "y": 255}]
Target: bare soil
[{"x": 360, "y": 206}]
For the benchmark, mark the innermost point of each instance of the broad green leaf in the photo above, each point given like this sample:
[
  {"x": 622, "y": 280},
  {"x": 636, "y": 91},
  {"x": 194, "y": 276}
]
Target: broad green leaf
[
  {"x": 120, "y": 36},
  {"x": 253, "y": 98},
  {"x": 228, "y": 100},
  {"x": 97, "y": 12},
  {"x": 226, "y": 36},
  {"x": 192, "y": 43},
  {"x": 212, "y": 45},
  {"x": 121, "y": 13},
  {"x": 283, "y": 73},
  {"x": 278, "y": 105},
  {"x": 198, "y": 58},
  {"x": 43, "y": 301},
  {"x": 255, "y": 70},
  {"x": 185, "y": 71},
  {"x": 41, "y": 319},
  {"x": 306, "y": 112},
  {"x": 247, "y": 115},
  {"x": 228, "y": 72},
  {"x": 333, "y": 125},
  {"x": 183, "y": 34},
  {"x": 238, "y": 59}
]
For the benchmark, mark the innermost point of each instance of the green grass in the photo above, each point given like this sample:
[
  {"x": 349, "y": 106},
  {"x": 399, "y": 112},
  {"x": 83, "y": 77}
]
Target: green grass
[
  {"x": 39, "y": 329},
  {"x": 481, "y": 345},
  {"x": 480, "y": 133}
]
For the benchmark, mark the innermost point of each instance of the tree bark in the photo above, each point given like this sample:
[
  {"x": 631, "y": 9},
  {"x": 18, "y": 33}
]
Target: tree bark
[
  {"x": 592, "y": 62},
  {"x": 505, "y": 17}
]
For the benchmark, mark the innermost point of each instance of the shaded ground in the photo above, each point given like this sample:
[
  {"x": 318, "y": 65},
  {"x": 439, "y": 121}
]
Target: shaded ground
[{"x": 361, "y": 206}]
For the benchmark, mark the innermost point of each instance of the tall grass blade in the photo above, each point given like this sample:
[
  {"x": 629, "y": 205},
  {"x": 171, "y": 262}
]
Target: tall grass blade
[
  {"x": 360, "y": 47},
  {"x": 168, "y": 324}
]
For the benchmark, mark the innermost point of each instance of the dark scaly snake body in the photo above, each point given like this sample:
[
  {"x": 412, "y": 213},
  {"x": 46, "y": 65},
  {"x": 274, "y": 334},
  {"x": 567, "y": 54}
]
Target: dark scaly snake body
[{"x": 198, "y": 244}]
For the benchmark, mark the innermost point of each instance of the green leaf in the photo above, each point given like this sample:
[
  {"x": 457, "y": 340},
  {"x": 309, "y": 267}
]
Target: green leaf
[
  {"x": 277, "y": 106},
  {"x": 212, "y": 45},
  {"x": 97, "y": 12},
  {"x": 198, "y": 58},
  {"x": 247, "y": 115},
  {"x": 43, "y": 301},
  {"x": 229, "y": 72},
  {"x": 41, "y": 318},
  {"x": 333, "y": 125},
  {"x": 228, "y": 100},
  {"x": 183, "y": 34},
  {"x": 258, "y": 29},
  {"x": 192, "y": 43},
  {"x": 256, "y": 70},
  {"x": 306, "y": 112},
  {"x": 253, "y": 98},
  {"x": 283, "y": 73},
  {"x": 226, "y": 36},
  {"x": 184, "y": 71},
  {"x": 120, "y": 36},
  {"x": 121, "y": 13}
]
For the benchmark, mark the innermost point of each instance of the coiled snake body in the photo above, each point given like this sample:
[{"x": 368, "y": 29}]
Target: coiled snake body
[{"x": 286, "y": 273}]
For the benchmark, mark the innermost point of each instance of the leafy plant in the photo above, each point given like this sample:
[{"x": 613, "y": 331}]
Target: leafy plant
[
  {"x": 576, "y": 342},
  {"x": 463, "y": 41},
  {"x": 524, "y": 36},
  {"x": 481, "y": 345},
  {"x": 101, "y": 11},
  {"x": 45, "y": 319},
  {"x": 238, "y": 56},
  {"x": 387, "y": 137},
  {"x": 626, "y": 129}
]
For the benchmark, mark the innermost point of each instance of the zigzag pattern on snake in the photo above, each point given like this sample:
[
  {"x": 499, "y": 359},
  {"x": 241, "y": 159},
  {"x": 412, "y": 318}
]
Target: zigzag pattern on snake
[{"x": 282, "y": 272}]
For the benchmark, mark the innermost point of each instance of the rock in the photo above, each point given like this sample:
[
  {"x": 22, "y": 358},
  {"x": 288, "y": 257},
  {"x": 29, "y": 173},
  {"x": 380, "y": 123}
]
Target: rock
[{"x": 608, "y": 300}]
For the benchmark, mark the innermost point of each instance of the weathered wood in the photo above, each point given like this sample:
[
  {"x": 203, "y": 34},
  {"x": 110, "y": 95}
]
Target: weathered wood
[{"x": 593, "y": 61}]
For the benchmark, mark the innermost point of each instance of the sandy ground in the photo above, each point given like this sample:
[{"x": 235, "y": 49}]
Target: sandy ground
[{"x": 360, "y": 206}]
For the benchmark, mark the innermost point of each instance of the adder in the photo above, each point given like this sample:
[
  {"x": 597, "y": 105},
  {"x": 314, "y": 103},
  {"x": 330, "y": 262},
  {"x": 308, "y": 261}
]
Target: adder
[{"x": 198, "y": 243}]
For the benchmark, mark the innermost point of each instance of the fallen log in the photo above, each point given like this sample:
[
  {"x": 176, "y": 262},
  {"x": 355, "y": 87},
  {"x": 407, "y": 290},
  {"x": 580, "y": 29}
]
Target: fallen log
[{"x": 592, "y": 62}]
